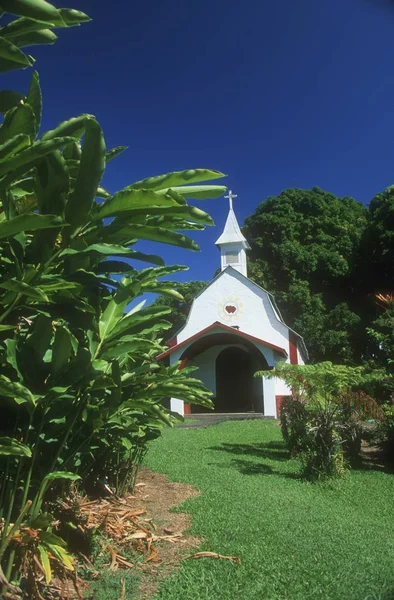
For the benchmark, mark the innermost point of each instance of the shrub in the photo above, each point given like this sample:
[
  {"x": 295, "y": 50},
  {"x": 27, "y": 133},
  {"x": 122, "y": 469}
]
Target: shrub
[
  {"x": 323, "y": 454},
  {"x": 321, "y": 422},
  {"x": 293, "y": 422}
]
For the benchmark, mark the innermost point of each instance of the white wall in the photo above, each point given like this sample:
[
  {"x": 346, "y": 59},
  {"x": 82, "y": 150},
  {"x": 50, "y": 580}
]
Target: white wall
[
  {"x": 241, "y": 265},
  {"x": 254, "y": 313}
]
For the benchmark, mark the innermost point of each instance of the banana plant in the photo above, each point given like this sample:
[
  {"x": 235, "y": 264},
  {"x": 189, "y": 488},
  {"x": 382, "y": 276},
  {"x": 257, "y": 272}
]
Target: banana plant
[{"x": 81, "y": 392}]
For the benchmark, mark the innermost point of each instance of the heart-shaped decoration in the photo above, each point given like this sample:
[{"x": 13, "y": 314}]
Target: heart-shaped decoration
[{"x": 230, "y": 309}]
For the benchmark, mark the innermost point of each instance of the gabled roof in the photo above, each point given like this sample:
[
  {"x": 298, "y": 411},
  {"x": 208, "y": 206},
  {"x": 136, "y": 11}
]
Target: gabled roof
[
  {"x": 271, "y": 298},
  {"x": 226, "y": 329},
  {"x": 232, "y": 233}
]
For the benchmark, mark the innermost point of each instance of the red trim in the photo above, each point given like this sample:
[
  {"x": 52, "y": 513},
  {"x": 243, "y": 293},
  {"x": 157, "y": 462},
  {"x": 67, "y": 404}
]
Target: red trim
[
  {"x": 293, "y": 348},
  {"x": 225, "y": 328},
  {"x": 172, "y": 342}
]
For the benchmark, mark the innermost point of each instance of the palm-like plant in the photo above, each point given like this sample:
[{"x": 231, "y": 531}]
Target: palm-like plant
[
  {"x": 321, "y": 420},
  {"x": 80, "y": 390}
]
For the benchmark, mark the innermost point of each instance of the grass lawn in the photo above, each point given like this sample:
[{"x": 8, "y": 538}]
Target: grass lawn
[{"x": 296, "y": 540}]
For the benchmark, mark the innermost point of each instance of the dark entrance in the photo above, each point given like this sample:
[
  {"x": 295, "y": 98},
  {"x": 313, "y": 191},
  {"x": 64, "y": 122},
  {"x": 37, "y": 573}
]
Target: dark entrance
[{"x": 234, "y": 381}]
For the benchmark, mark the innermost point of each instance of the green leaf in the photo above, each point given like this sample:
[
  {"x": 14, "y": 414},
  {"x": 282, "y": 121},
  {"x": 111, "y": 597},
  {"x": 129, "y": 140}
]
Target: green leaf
[
  {"x": 36, "y": 38},
  {"x": 13, "y": 145},
  {"x": 170, "y": 180},
  {"x": 111, "y": 154},
  {"x": 22, "y": 25},
  {"x": 11, "y": 447},
  {"x": 63, "y": 348},
  {"x": 27, "y": 158},
  {"x": 10, "y": 52},
  {"x": 35, "y": 9},
  {"x": 27, "y": 290},
  {"x": 89, "y": 176},
  {"x": 198, "y": 192},
  {"x": 19, "y": 393},
  {"x": 45, "y": 563},
  {"x": 129, "y": 200},
  {"x": 29, "y": 222},
  {"x": 11, "y": 346},
  {"x": 34, "y": 99},
  {"x": 173, "y": 215},
  {"x": 18, "y": 120},
  {"x": 154, "y": 234},
  {"x": 82, "y": 277},
  {"x": 51, "y": 283},
  {"x": 74, "y": 127},
  {"x": 10, "y": 65},
  {"x": 50, "y": 538},
  {"x": 72, "y": 17},
  {"x": 137, "y": 321},
  {"x": 122, "y": 348},
  {"x": 63, "y": 556},
  {"x": 38, "y": 342},
  {"x": 154, "y": 273},
  {"x": 52, "y": 184},
  {"x": 9, "y": 99},
  {"x": 111, "y": 315},
  {"x": 104, "y": 249},
  {"x": 126, "y": 443},
  {"x": 157, "y": 288},
  {"x": 60, "y": 475},
  {"x": 102, "y": 193}
]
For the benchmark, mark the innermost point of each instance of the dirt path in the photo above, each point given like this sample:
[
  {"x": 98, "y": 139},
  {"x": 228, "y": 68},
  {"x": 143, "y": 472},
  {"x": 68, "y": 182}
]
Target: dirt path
[{"x": 158, "y": 496}]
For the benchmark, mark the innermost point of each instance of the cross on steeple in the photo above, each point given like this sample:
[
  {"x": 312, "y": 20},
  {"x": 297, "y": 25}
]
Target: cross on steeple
[
  {"x": 230, "y": 198},
  {"x": 232, "y": 242}
]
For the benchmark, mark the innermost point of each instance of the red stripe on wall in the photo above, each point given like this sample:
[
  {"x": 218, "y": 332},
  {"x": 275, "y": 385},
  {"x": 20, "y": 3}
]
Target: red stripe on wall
[{"x": 293, "y": 350}]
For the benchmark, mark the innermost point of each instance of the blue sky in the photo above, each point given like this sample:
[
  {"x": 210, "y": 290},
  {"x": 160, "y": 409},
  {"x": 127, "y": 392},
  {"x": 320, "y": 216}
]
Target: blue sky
[{"x": 275, "y": 93}]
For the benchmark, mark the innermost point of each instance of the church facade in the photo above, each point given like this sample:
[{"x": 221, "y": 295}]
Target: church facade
[{"x": 234, "y": 329}]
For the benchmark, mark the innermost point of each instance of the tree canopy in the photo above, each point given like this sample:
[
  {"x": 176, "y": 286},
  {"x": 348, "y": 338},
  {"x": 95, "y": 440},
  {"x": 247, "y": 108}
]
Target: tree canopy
[
  {"x": 304, "y": 247},
  {"x": 376, "y": 265}
]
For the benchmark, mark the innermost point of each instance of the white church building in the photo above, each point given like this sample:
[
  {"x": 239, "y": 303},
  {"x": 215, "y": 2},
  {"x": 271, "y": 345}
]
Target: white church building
[{"x": 234, "y": 329}]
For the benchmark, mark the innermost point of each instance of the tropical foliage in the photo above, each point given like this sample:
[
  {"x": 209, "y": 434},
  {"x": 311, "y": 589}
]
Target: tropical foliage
[
  {"x": 80, "y": 389},
  {"x": 304, "y": 245},
  {"x": 322, "y": 420}
]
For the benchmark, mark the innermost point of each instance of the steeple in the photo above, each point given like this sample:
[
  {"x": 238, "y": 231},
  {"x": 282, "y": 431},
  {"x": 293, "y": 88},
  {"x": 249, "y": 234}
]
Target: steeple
[{"x": 232, "y": 243}]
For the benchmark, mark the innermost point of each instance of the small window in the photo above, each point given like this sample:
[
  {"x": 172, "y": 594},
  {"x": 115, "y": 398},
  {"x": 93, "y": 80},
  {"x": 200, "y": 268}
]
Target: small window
[{"x": 231, "y": 258}]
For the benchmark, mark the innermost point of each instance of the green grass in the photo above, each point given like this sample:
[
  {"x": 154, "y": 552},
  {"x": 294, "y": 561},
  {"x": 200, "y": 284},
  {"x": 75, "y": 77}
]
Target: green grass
[{"x": 296, "y": 540}]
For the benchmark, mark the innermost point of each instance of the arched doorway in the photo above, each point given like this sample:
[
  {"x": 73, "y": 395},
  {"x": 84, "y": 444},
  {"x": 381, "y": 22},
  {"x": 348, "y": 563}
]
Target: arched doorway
[{"x": 235, "y": 383}]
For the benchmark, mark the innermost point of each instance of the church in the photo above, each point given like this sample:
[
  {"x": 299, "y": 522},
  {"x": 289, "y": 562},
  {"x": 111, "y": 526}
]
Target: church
[{"x": 234, "y": 329}]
